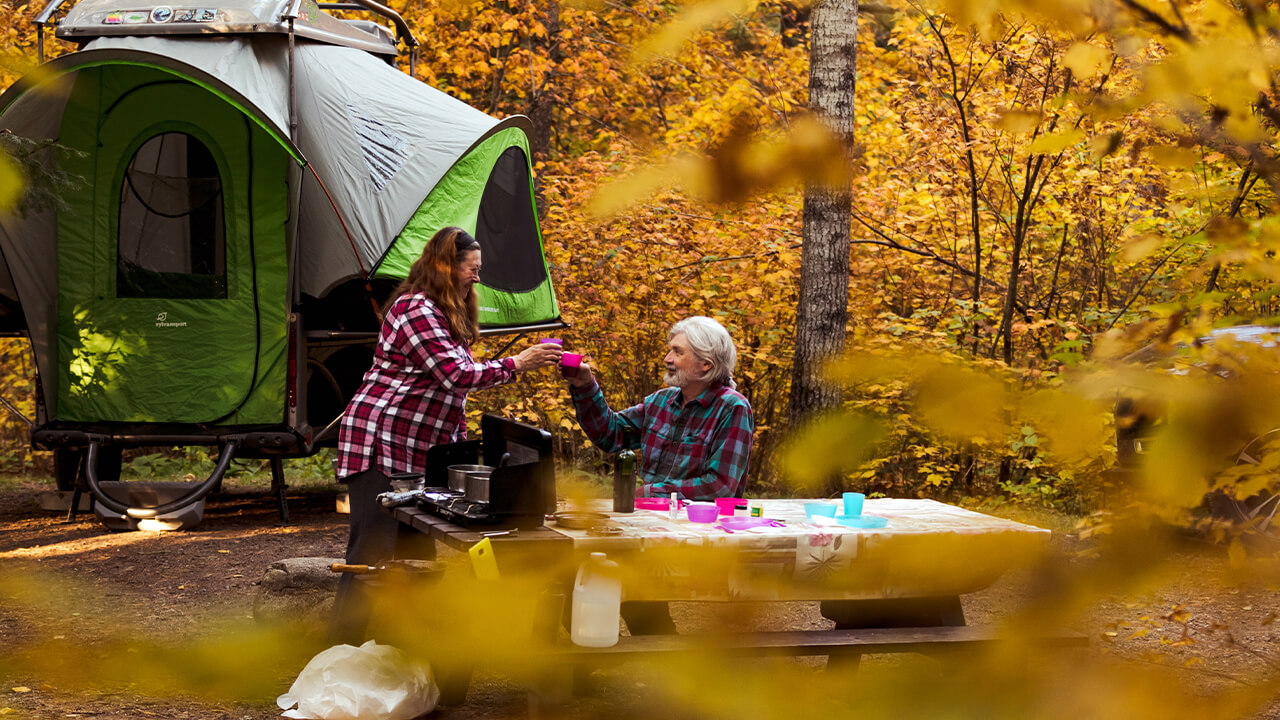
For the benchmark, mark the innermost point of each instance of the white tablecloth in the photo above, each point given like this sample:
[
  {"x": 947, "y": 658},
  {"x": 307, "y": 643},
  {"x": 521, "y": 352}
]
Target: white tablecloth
[{"x": 926, "y": 549}]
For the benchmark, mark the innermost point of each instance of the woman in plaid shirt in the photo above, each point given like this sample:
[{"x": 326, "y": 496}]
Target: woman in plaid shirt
[{"x": 415, "y": 395}]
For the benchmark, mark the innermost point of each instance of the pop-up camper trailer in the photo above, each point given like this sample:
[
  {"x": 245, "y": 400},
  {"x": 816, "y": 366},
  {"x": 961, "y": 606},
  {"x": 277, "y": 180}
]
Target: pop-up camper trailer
[{"x": 254, "y": 177}]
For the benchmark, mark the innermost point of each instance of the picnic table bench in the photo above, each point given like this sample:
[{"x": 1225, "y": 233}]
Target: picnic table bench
[{"x": 858, "y": 641}]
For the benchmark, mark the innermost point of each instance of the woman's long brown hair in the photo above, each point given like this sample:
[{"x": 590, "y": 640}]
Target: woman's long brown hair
[{"x": 432, "y": 275}]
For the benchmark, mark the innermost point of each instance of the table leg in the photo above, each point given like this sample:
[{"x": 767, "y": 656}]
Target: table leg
[
  {"x": 888, "y": 613},
  {"x": 648, "y": 618},
  {"x": 454, "y": 681},
  {"x": 550, "y": 691},
  {"x": 413, "y": 545}
]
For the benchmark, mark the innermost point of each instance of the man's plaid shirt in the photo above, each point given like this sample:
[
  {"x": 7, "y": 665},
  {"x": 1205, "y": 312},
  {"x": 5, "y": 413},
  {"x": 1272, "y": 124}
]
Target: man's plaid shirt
[
  {"x": 415, "y": 395},
  {"x": 698, "y": 449}
]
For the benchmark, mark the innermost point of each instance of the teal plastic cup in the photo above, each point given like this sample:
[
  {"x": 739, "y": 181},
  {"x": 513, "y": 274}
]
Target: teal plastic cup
[
  {"x": 853, "y": 504},
  {"x": 820, "y": 508}
]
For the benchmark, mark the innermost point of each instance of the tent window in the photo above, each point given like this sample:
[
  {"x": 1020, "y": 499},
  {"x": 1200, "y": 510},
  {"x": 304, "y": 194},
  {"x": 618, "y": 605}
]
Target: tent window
[
  {"x": 172, "y": 240},
  {"x": 507, "y": 228}
]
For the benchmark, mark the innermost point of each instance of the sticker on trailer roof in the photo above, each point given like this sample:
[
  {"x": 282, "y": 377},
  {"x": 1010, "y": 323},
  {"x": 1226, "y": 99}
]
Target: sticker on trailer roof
[
  {"x": 184, "y": 15},
  {"x": 204, "y": 14},
  {"x": 114, "y": 18},
  {"x": 136, "y": 18},
  {"x": 161, "y": 14}
]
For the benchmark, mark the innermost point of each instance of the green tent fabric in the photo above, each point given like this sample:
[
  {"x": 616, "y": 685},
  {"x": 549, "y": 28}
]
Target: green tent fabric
[
  {"x": 522, "y": 292},
  {"x": 134, "y": 352},
  {"x": 291, "y": 214}
]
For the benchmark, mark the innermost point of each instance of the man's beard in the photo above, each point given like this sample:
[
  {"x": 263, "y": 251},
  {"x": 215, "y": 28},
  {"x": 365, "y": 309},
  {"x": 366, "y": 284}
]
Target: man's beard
[{"x": 676, "y": 378}]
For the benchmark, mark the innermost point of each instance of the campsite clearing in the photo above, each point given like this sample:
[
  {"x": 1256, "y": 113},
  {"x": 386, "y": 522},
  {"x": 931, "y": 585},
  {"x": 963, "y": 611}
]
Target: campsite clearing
[{"x": 179, "y": 586}]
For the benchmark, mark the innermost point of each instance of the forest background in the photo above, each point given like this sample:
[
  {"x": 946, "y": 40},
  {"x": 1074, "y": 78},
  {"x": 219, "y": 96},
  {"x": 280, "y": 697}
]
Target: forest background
[{"x": 1037, "y": 191}]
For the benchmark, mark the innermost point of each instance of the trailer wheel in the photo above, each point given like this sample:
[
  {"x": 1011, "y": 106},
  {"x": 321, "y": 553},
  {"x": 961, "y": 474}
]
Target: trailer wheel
[{"x": 332, "y": 383}]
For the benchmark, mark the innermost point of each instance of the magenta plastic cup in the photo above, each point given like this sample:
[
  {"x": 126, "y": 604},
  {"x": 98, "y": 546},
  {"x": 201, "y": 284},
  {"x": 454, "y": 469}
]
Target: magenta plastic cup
[
  {"x": 727, "y": 505},
  {"x": 571, "y": 360},
  {"x": 551, "y": 341}
]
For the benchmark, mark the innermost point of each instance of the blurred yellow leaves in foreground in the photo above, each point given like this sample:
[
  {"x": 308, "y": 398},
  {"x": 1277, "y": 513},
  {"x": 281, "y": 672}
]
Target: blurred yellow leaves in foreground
[
  {"x": 11, "y": 183},
  {"x": 828, "y": 445},
  {"x": 1194, "y": 405},
  {"x": 508, "y": 626},
  {"x": 692, "y": 18},
  {"x": 742, "y": 165},
  {"x": 965, "y": 403}
]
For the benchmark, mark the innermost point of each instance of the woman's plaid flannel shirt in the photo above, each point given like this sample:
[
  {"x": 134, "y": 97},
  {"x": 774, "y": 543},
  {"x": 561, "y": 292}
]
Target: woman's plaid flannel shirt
[{"x": 415, "y": 395}]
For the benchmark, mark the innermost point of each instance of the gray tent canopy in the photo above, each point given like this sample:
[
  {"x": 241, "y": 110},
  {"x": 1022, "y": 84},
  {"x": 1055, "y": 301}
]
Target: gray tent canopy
[{"x": 234, "y": 184}]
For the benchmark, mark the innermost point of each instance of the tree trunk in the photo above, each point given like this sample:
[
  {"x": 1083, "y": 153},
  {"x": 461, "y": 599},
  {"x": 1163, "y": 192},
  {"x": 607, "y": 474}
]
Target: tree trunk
[{"x": 824, "y": 259}]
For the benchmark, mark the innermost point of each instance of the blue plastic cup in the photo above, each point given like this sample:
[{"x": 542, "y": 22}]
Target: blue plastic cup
[
  {"x": 853, "y": 504},
  {"x": 819, "y": 508}
]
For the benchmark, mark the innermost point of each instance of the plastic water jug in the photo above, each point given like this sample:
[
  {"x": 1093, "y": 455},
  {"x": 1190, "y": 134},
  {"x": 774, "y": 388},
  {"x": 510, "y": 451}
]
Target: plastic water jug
[{"x": 597, "y": 601}]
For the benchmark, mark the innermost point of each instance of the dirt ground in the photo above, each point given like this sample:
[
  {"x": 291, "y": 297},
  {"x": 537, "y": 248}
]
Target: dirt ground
[{"x": 1213, "y": 630}]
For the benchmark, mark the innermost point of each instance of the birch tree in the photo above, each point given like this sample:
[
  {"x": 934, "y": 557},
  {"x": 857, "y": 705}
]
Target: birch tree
[{"x": 824, "y": 266}]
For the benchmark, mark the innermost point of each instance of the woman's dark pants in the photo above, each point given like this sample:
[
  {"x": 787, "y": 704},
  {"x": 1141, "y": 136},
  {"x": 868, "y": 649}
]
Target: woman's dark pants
[{"x": 375, "y": 537}]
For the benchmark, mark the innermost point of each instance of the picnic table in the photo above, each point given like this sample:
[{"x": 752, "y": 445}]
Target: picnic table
[
  {"x": 926, "y": 549},
  {"x": 901, "y": 583}
]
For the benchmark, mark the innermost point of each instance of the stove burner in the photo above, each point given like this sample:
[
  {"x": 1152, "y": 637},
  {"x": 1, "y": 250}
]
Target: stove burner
[
  {"x": 454, "y": 507},
  {"x": 467, "y": 507}
]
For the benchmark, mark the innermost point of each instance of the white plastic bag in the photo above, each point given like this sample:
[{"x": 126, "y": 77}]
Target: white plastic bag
[{"x": 370, "y": 682}]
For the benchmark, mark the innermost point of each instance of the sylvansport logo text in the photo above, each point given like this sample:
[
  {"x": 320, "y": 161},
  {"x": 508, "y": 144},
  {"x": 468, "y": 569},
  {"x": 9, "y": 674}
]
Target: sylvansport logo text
[{"x": 162, "y": 321}]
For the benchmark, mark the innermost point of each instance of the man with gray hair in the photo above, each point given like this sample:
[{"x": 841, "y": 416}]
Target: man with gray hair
[{"x": 694, "y": 437}]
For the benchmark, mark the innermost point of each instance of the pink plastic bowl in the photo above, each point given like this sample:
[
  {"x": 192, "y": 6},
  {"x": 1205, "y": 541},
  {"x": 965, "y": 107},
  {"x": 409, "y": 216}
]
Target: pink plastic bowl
[
  {"x": 701, "y": 512},
  {"x": 570, "y": 360},
  {"x": 663, "y": 504}
]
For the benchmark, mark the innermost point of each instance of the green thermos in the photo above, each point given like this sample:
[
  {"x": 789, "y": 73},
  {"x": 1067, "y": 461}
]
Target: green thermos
[{"x": 624, "y": 482}]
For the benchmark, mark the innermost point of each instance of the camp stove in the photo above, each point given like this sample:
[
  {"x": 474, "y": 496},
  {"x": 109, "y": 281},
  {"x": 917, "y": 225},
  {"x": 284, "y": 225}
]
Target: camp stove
[
  {"x": 452, "y": 506},
  {"x": 522, "y": 486}
]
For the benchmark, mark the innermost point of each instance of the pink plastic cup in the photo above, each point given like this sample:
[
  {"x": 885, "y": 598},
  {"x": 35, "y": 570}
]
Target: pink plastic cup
[
  {"x": 551, "y": 341},
  {"x": 728, "y": 505},
  {"x": 571, "y": 360}
]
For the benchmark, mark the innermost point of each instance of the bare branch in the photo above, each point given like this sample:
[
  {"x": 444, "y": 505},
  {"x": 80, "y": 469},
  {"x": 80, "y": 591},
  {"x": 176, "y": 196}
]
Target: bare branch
[
  {"x": 1141, "y": 286},
  {"x": 1158, "y": 20}
]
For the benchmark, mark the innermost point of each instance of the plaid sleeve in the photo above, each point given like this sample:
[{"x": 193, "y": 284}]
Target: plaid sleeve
[
  {"x": 610, "y": 431},
  {"x": 428, "y": 344},
  {"x": 730, "y": 451}
]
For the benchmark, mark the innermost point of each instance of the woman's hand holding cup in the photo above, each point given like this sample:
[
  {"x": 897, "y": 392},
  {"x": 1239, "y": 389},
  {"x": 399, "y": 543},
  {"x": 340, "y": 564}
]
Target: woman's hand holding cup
[{"x": 539, "y": 356}]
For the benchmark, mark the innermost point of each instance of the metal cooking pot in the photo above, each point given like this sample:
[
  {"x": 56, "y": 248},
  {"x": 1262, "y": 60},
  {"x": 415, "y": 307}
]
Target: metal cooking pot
[
  {"x": 458, "y": 476},
  {"x": 478, "y": 485},
  {"x": 401, "y": 482}
]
